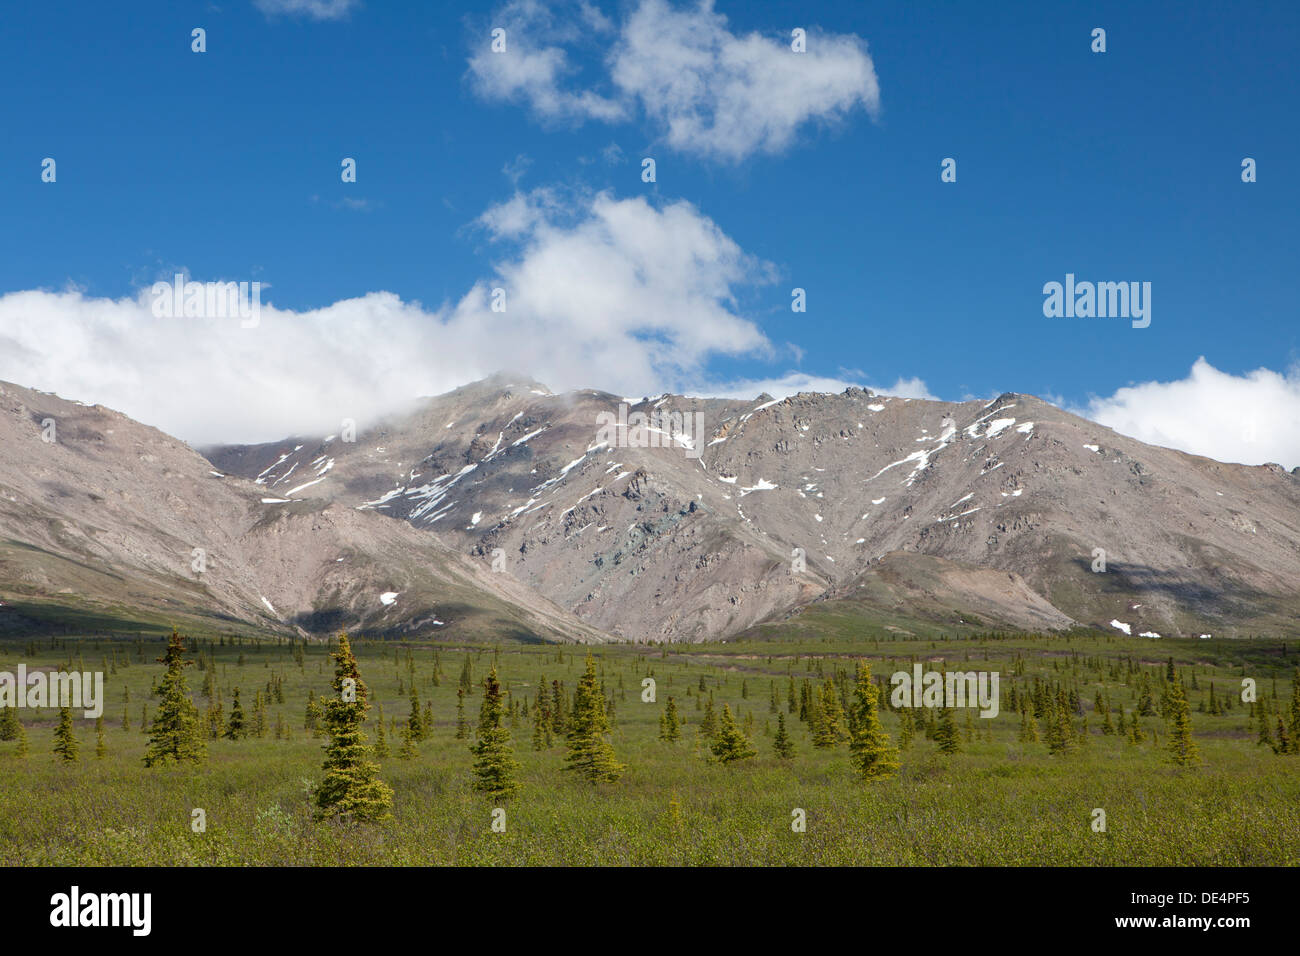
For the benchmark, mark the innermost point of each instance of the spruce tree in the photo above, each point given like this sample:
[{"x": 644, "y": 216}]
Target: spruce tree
[
  {"x": 414, "y": 719},
  {"x": 176, "y": 735},
  {"x": 541, "y": 727},
  {"x": 259, "y": 715},
  {"x": 65, "y": 741},
  {"x": 235, "y": 725},
  {"x": 101, "y": 748},
  {"x": 870, "y": 750},
  {"x": 946, "y": 733},
  {"x": 782, "y": 745},
  {"x": 312, "y": 718},
  {"x": 351, "y": 789},
  {"x": 708, "y": 723},
  {"x": 408, "y": 750},
  {"x": 9, "y": 723},
  {"x": 216, "y": 722},
  {"x": 462, "y": 728},
  {"x": 590, "y": 753},
  {"x": 1265, "y": 737},
  {"x": 22, "y": 749},
  {"x": 495, "y": 767},
  {"x": 1135, "y": 732},
  {"x": 669, "y": 723},
  {"x": 906, "y": 727},
  {"x": 1028, "y": 727},
  {"x": 731, "y": 743},
  {"x": 1295, "y": 710},
  {"x": 1181, "y": 744},
  {"x": 829, "y": 730},
  {"x": 381, "y": 738},
  {"x": 1285, "y": 745}
]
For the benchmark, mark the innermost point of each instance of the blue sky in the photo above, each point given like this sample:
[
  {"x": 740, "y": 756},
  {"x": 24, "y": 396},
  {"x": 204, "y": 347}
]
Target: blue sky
[{"x": 1115, "y": 166}]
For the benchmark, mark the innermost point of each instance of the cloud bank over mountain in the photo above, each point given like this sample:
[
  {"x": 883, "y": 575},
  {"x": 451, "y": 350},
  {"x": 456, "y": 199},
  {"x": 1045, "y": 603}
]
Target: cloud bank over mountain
[
  {"x": 1252, "y": 418},
  {"x": 593, "y": 291}
]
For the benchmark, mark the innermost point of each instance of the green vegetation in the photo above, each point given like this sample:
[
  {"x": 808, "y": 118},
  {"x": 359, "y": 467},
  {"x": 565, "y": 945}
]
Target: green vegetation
[
  {"x": 351, "y": 790},
  {"x": 1188, "y": 773},
  {"x": 175, "y": 735}
]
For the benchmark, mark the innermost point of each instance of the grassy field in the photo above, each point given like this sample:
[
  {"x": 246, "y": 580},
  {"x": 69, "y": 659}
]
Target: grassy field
[{"x": 998, "y": 801}]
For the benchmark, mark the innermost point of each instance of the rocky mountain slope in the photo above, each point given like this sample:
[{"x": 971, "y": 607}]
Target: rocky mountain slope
[
  {"x": 105, "y": 519},
  {"x": 1010, "y": 513}
]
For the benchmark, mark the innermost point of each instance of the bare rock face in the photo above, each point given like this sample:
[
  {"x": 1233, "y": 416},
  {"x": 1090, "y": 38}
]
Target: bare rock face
[
  {"x": 501, "y": 509},
  {"x": 690, "y": 528},
  {"x": 104, "y": 518}
]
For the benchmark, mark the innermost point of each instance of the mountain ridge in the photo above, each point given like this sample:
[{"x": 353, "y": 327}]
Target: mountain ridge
[
  {"x": 702, "y": 518},
  {"x": 1014, "y": 485}
]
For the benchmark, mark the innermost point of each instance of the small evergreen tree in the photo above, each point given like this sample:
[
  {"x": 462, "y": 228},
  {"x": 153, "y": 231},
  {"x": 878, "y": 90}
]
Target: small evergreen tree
[
  {"x": 670, "y": 728},
  {"x": 495, "y": 767},
  {"x": 731, "y": 744},
  {"x": 1265, "y": 737},
  {"x": 782, "y": 745},
  {"x": 870, "y": 750},
  {"x": 235, "y": 725},
  {"x": 1285, "y": 745},
  {"x": 708, "y": 723},
  {"x": 176, "y": 735},
  {"x": 946, "y": 733},
  {"x": 541, "y": 727},
  {"x": 1181, "y": 744},
  {"x": 590, "y": 753},
  {"x": 1028, "y": 727},
  {"x": 907, "y": 727},
  {"x": 381, "y": 738},
  {"x": 462, "y": 728},
  {"x": 259, "y": 715},
  {"x": 101, "y": 748},
  {"x": 408, "y": 750},
  {"x": 215, "y": 720},
  {"x": 414, "y": 720},
  {"x": 9, "y": 723},
  {"x": 65, "y": 741},
  {"x": 312, "y": 718},
  {"x": 829, "y": 729},
  {"x": 351, "y": 789}
]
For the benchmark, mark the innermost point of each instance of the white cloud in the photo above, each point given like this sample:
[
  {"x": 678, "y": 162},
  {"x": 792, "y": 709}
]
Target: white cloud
[
  {"x": 727, "y": 96},
  {"x": 1252, "y": 418},
  {"x": 601, "y": 292},
  {"x": 710, "y": 91},
  {"x": 314, "y": 9},
  {"x": 534, "y": 66}
]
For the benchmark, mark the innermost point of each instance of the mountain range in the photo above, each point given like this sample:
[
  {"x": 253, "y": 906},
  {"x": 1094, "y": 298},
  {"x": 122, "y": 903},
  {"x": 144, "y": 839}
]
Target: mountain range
[{"x": 501, "y": 509}]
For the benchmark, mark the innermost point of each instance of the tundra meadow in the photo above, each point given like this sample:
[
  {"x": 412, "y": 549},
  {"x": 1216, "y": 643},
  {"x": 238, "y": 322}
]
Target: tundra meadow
[{"x": 1104, "y": 750}]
